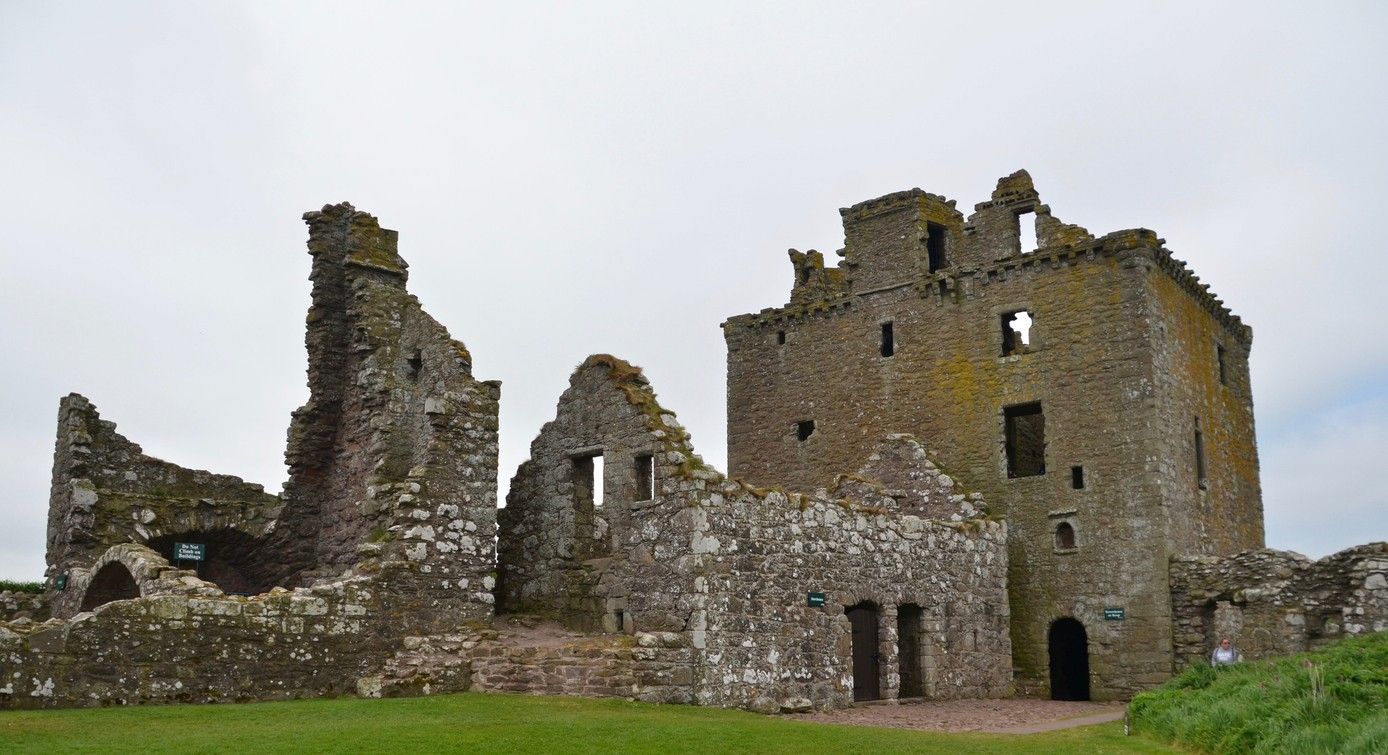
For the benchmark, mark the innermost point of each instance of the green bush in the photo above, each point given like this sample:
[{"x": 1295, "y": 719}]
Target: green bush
[
  {"x": 12, "y": 586},
  {"x": 1331, "y": 700}
]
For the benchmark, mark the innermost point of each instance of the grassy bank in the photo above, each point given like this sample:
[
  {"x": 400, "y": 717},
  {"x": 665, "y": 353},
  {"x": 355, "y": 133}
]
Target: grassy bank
[
  {"x": 497, "y": 723},
  {"x": 1332, "y": 700}
]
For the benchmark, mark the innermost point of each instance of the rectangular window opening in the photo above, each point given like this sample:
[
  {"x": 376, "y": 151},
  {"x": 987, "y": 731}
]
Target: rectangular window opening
[
  {"x": 1016, "y": 332},
  {"x": 1201, "y": 480},
  {"x": 1223, "y": 369},
  {"x": 1026, "y": 232},
  {"x": 415, "y": 363},
  {"x": 944, "y": 288},
  {"x": 804, "y": 429},
  {"x": 935, "y": 235},
  {"x": 645, "y": 477},
  {"x": 888, "y": 347},
  {"x": 587, "y": 480},
  {"x": 780, "y": 338},
  {"x": 1077, "y": 477},
  {"x": 1025, "y": 440}
]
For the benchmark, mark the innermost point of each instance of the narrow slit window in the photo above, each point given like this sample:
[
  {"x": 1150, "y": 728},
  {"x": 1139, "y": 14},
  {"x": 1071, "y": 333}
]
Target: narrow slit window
[
  {"x": 1025, "y": 440},
  {"x": 1064, "y": 537},
  {"x": 1201, "y": 478},
  {"x": 645, "y": 477},
  {"x": 935, "y": 235},
  {"x": 1016, "y": 332},
  {"x": 415, "y": 364},
  {"x": 1026, "y": 232},
  {"x": 888, "y": 346},
  {"x": 1077, "y": 477},
  {"x": 780, "y": 338},
  {"x": 1223, "y": 368},
  {"x": 944, "y": 288},
  {"x": 804, "y": 429}
]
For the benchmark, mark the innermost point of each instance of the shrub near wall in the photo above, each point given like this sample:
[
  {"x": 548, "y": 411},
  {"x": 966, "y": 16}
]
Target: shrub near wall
[{"x": 1331, "y": 700}]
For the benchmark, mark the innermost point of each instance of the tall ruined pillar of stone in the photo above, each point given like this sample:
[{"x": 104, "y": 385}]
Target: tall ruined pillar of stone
[{"x": 392, "y": 462}]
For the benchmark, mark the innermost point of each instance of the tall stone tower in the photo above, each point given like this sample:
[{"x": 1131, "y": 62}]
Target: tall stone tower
[{"x": 1092, "y": 388}]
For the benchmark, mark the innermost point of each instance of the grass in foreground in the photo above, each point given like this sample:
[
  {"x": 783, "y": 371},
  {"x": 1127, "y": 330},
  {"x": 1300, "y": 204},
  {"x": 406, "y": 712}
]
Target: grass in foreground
[
  {"x": 1331, "y": 700},
  {"x": 497, "y": 723}
]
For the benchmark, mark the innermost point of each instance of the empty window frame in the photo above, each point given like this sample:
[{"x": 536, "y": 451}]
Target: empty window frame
[
  {"x": 780, "y": 338},
  {"x": 1016, "y": 332},
  {"x": 414, "y": 364},
  {"x": 887, "y": 347},
  {"x": 1064, "y": 537},
  {"x": 1202, "y": 480},
  {"x": 935, "y": 235},
  {"x": 587, "y": 480},
  {"x": 1024, "y": 430},
  {"x": 804, "y": 429},
  {"x": 1077, "y": 477},
  {"x": 645, "y": 477},
  {"x": 1026, "y": 232},
  {"x": 1220, "y": 359}
]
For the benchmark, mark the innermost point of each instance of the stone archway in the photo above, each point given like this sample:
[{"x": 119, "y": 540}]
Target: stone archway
[
  {"x": 110, "y": 583},
  {"x": 1069, "y": 657}
]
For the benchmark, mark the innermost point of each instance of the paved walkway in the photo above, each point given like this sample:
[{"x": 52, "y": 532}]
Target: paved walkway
[{"x": 1010, "y": 716}]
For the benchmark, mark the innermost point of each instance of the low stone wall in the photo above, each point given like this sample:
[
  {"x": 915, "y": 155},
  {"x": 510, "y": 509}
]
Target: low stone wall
[
  {"x": 1270, "y": 602},
  {"x": 23, "y": 605}
]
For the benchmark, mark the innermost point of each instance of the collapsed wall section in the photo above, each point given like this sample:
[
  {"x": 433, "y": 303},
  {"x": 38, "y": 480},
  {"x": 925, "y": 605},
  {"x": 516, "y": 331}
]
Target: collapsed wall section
[
  {"x": 106, "y": 491},
  {"x": 1270, "y": 602},
  {"x": 757, "y": 582},
  {"x": 393, "y": 458}
]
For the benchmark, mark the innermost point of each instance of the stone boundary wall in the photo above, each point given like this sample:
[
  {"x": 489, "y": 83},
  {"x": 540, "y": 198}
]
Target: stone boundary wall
[
  {"x": 27, "y": 606},
  {"x": 1271, "y": 602}
]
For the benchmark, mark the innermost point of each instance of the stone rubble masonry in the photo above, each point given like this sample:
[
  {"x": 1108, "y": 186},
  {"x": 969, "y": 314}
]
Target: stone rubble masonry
[
  {"x": 385, "y": 529},
  {"x": 1122, "y": 357},
  {"x": 106, "y": 491},
  {"x": 726, "y": 568},
  {"x": 1270, "y": 602}
]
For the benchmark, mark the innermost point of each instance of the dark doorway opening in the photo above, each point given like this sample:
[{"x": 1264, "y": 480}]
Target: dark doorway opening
[
  {"x": 110, "y": 583},
  {"x": 908, "y": 633},
  {"x": 1069, "y": 649},
  {"x": 935, "y": 245},
  {"x": 866, "y": 681}
]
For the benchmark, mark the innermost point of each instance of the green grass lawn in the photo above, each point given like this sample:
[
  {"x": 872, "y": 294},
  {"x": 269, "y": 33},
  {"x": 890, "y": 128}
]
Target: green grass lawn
[
  {"x": 496, "y": 723},
  {"x": 1331, "y": 700}
]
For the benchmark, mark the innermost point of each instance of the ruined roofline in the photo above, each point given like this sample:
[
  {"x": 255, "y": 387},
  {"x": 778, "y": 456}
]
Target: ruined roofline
[
  {"x": 891, "y": 202},
  {"x": 80, "y": 407},
  {"x": 661, "y": 422},
  {"x": 1110, "y": 245},
  {"x": 1374, "y": 548}
]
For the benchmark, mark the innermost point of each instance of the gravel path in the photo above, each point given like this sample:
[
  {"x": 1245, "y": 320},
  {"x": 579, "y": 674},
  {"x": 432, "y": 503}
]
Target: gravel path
[{"x": 1011, "y": 716}]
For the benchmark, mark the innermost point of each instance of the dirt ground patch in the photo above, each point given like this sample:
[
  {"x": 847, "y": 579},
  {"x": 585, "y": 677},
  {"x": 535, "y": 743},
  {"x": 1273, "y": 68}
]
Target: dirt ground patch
[{"x": 1015, "y": 715}]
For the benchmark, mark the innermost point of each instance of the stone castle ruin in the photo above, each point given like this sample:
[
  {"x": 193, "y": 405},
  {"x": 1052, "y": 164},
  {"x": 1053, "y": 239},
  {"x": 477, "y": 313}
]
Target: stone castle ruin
[{"x": 962, "y": 464}]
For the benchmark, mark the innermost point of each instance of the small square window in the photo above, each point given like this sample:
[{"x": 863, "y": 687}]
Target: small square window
[{"x": 804, "y": 429}]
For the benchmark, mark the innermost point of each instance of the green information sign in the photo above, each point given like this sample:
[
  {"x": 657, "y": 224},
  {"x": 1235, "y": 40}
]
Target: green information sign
[
  {"x": 1114, "y": 614},
  {"x": 189, "y": 551},
  {"x": 815, "y": 599}
]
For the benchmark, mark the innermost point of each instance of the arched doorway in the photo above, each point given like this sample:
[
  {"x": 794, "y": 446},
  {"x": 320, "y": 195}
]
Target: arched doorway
[
  {"x": 1069, "y": 650},
  {"x": 111, "y": 582},
  {"x": 866, "y": 680}
]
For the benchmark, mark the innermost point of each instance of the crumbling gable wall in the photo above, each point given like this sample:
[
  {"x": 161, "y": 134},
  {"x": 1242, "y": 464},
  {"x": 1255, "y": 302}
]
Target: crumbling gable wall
[
  {"x": 393, "y": 458},
  {"x": 1270, "y": 602},
  {"x": 728, "y": 568},
  {"x": 106, "y": 491}
]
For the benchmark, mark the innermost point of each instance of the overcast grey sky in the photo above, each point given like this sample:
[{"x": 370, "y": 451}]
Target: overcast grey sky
[{"x": 576, "y": 178}]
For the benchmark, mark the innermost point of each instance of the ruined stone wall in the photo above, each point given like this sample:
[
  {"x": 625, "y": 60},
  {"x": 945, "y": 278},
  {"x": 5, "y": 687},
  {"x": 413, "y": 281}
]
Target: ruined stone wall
[
  {"x": 106, "y": 491},
  {"x": 184, "y": 640},
  {"x": 729, "y": 567},
  {"x": 1270, "y": 602},
  {"x": 394, "y": 455},
  {"x": 1090, "y": 364},
  {"x": 23, "y": 605}
]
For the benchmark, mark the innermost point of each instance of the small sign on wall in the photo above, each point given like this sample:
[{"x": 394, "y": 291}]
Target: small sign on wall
[
  {"x": 189, "y": 551},
  {"x": 815, "y": 599},
  {"x": 1114, "y": 614}
]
